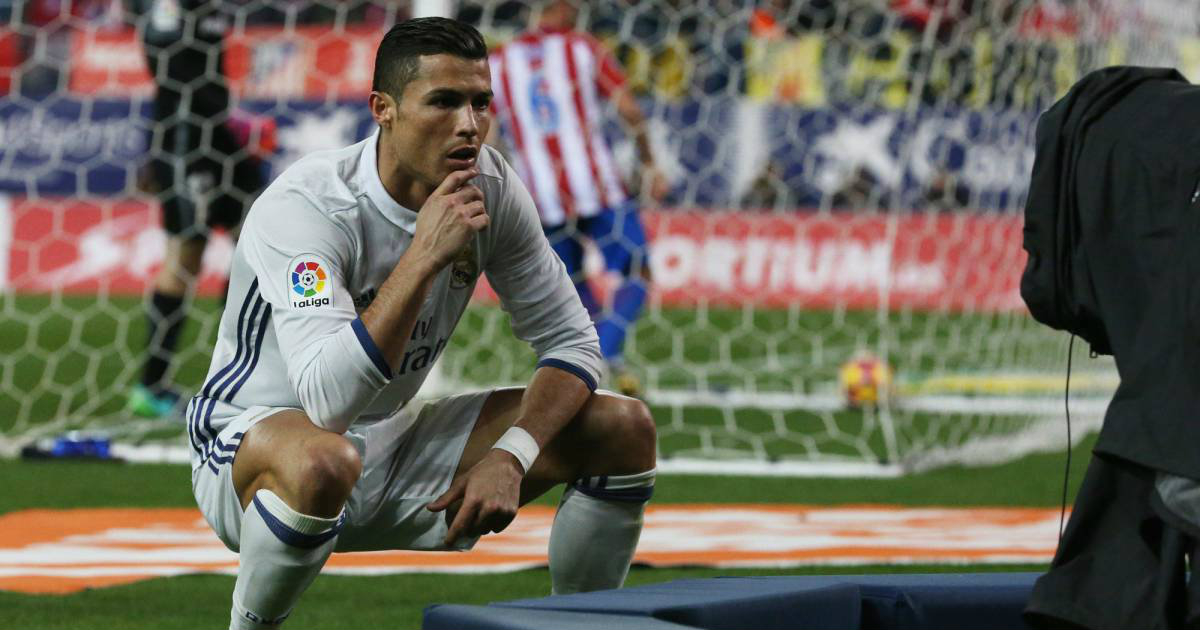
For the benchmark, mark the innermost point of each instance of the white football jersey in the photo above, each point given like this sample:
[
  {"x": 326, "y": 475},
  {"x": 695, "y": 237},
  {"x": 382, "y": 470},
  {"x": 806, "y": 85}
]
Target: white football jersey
[{"x": 315, "y": 248}]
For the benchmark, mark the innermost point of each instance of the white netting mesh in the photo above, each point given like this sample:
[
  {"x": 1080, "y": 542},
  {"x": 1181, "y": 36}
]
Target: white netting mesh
[{"x": 847, "y": 180}]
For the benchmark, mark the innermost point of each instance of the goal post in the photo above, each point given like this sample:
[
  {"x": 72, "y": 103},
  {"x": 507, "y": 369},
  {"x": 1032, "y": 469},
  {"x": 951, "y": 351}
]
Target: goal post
[{"x": 845, "y": 214}]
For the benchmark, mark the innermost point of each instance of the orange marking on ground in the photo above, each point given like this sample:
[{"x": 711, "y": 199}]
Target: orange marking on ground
[
  {"x": 62, "y": 551},
  {"x": 62, "y": 586},
  {"x": 34, "y": 526}
]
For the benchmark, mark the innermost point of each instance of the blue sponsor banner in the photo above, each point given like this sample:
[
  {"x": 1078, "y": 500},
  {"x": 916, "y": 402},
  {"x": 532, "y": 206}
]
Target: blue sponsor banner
[
  {"x": 811, "y": 158},
  {"x": 902, "y": 160},
  {"x": 72, "y": 147},
  {"x": 717, "y": 150}
]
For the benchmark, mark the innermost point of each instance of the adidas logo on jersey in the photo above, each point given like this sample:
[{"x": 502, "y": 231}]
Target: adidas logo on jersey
[{"x": 364, "y": 300}]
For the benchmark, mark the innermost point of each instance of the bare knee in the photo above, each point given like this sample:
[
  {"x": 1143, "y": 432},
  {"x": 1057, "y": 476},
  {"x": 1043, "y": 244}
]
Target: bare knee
[
  {"x": 643, "y": 434},
  {"x": 630, "y": 437},
  {"x": 325, "y": 475},
  {"x": 611, "y": 435},
  {"x": 311, "y": 469}
]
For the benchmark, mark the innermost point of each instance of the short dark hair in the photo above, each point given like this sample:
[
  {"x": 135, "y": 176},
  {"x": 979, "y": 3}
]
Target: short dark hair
[{"x": 396, "y": 60}]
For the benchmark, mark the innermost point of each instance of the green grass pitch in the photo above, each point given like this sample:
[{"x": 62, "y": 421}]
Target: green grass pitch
[
  {"x": 106, "y": 337},
  {"x": 75, "y": 357},
  {"x": 397, "y": 601}
]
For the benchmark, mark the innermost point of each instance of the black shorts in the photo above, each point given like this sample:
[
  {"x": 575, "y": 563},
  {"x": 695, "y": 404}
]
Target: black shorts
[
  {"x": 202, "y": 175},
  {"x": 1122, "y": 560},
  {"x": 224, "y": 185}
]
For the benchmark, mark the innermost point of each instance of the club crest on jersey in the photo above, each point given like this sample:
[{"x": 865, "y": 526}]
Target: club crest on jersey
[
  {"x": 464, "y": 268},
  {"x": 310, "y": 283}
]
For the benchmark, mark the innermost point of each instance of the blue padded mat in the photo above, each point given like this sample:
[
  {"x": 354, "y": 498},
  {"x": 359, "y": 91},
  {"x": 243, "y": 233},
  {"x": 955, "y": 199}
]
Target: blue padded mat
[
  {"x": 456, "y": 617},
  {"x": 971, "y": 601}
]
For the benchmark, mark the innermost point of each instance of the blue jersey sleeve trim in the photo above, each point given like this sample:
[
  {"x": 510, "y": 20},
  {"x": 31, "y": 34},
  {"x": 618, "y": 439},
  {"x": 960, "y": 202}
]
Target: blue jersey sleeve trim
[
  {"x": 372, "y": 350},
  {"x": 573, "y": 369}
]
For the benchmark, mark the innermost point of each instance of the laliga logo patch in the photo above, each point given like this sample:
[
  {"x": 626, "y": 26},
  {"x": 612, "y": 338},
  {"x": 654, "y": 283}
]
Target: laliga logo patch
[
  {"x": 464, "y": 269},
  {"x": 310, "y": 284}
]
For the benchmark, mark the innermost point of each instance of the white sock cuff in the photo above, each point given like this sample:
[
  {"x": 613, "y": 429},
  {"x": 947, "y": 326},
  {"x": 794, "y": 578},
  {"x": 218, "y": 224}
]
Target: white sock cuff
[
  {"x": 292, "y": 527},
  {"x": 636, "y": 487}
]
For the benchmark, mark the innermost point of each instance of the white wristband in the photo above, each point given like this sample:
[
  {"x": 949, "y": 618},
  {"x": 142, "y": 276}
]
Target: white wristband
[{"x": 522, "y": 445}]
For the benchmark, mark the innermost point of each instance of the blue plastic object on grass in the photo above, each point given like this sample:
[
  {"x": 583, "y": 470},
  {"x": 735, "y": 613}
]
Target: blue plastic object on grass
[
  {"x": 71, "y": 445},
  {"x": 80, "y": 445},
  {"x": 972, "y": 601}
]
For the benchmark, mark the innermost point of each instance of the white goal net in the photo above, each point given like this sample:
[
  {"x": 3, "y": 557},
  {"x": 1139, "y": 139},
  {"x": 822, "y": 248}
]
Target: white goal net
[{"x": 847, "y": 180}]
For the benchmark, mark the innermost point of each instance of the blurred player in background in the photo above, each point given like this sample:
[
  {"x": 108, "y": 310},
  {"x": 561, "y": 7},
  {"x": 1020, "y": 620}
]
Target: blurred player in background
[
  {"x": 549, "y": 84},
  {"x": 354, "y": 268},
  {"x": 201, "y": 169}
]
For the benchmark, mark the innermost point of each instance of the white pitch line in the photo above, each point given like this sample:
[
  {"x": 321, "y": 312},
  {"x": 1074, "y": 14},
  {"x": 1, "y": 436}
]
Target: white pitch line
[{"x": 788, "y": 401}]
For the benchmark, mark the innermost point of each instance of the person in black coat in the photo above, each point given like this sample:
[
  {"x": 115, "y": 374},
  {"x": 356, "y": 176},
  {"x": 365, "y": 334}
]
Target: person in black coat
[{"x": 1112, "y": 227}]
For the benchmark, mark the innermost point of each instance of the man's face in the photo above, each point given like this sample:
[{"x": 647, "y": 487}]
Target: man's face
[{"x": 442, "y": 118}]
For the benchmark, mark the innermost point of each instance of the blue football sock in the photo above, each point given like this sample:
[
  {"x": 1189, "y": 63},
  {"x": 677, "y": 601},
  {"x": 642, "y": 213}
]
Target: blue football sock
[{"x": 612, "y": 328}]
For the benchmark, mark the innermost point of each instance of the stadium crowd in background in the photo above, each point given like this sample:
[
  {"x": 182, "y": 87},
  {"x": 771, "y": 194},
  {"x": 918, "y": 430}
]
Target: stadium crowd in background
[{"x": 859, "y": 56}]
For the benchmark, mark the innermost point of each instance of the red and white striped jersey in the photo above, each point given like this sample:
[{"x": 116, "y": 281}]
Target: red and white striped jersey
[{"x": 548, "y": 85}]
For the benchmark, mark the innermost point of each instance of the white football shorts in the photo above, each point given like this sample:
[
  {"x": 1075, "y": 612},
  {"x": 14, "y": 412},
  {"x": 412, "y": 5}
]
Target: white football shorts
[{"x": 408, "y": 459}]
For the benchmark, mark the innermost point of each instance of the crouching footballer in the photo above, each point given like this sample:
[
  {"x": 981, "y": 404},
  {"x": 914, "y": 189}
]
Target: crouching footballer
[{"x": 353, "y": 269}]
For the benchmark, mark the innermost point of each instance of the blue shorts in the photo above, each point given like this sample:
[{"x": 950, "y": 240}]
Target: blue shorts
[{"x": 617, "y": 232}]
